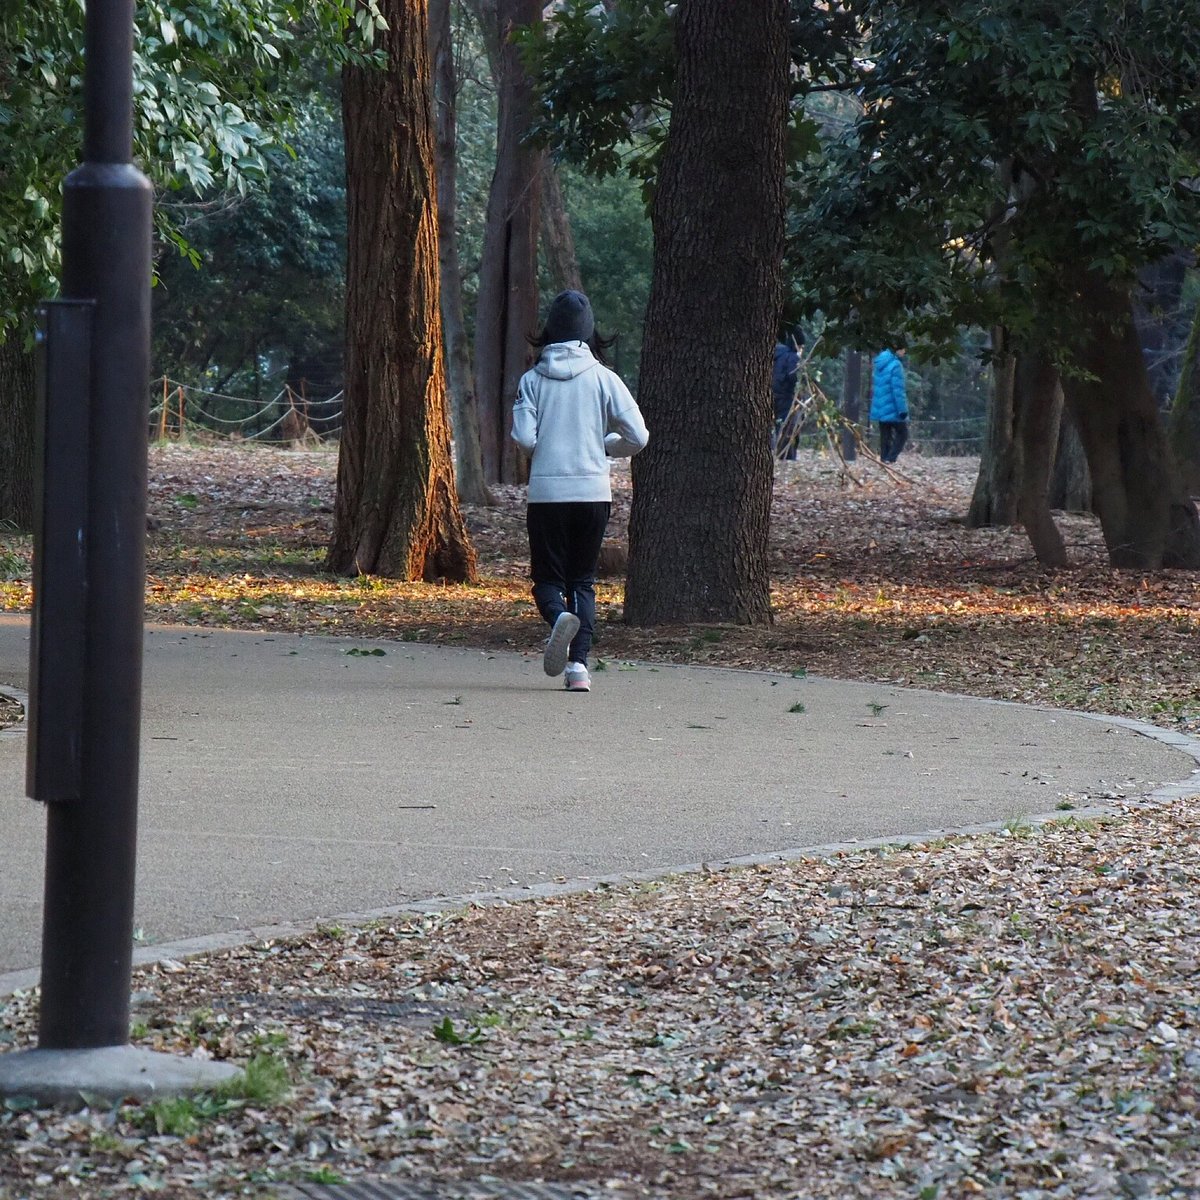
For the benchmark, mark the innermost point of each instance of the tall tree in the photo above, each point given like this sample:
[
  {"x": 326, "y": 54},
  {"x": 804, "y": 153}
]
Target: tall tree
[
  {"x": 1185, "y": 413},
  {"x": 702, "y": 490},
  {"x": 211, "y": 99},
  {"x": 1092, "y": 111},
  {"x": 506, "y": 309},
  {"x": 558, "y": 242},
  {"x": 468, "y": 459},
  {"x": 396, "y": 511}
]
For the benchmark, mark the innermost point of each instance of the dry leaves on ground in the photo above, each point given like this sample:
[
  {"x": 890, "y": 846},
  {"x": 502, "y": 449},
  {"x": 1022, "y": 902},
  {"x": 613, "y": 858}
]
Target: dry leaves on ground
[
  {"x": 1010, "y": 1016},
  {"x": 878, "y": 580}
]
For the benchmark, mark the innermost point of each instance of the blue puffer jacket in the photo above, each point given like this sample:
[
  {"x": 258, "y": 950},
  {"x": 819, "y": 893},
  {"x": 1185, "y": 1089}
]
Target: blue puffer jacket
[{"x": 889, "y": 400}]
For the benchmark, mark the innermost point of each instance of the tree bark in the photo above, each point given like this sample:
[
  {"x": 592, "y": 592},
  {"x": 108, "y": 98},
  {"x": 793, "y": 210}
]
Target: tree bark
[
  {"x": 16, "y": 432},
  {"x": 1071, "y": 484},
  {"x": 396, "y": 511},
  {"x": 1148, "y": 519},
  {"x": 994, "y": 501},
  {"x": 1185, "y": 414},
  {"x": 558, "y": 243},
  {"x": 464, "y": 414},
  {"x": 507, "y": 304},
  {"x": 851, "y": 402},
  {"x": 702, "y": 489},
  {"x": 1039, "y": 401}
]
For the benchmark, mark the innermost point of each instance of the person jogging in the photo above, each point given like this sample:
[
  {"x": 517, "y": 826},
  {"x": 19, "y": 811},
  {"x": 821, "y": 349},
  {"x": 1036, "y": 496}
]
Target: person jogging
[{"x": 572, "y": 414}]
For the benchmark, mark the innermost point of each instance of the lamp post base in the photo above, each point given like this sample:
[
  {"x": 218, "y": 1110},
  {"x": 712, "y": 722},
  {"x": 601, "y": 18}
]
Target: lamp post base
[{"x": 108, "y": 1073}]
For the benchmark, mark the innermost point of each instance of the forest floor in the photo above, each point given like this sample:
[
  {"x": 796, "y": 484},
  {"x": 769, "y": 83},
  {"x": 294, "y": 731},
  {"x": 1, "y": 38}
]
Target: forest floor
[
  {"x": 874, "y": 581},
  {"x": 1011, "y": 1015}
]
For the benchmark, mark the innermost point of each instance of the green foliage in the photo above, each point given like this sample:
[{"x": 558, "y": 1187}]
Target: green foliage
[
  {"x": 615, "y": 249},
  {"x": 1000, "y": 150},
  {"x": 446, "y": 1033},
  {"x": 208, "y": 101},
  {"x": 270, "y": 283},
  {"x": 605, "y": 75},
  {"x": 605, "y": 78},
  {"x": 263, "y": 1082}
]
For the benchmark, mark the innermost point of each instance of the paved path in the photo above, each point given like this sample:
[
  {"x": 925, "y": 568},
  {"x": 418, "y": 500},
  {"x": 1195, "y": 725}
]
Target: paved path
[{"x": 287, "y": 780}]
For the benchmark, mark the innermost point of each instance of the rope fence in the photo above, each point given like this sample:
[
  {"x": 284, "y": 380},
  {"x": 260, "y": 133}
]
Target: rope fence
[{"x": 287, "y": 416}]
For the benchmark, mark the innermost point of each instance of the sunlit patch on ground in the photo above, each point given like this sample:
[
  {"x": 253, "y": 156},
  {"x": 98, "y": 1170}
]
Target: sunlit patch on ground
[{"x": 877, "y": 580}]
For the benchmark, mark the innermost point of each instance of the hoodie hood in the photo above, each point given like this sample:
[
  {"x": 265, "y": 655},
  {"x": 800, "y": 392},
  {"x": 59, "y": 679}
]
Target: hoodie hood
[{"x": 565, "y": 360}]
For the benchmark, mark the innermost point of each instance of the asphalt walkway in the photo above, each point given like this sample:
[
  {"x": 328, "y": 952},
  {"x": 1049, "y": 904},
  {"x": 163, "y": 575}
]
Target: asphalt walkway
[{"x": 290, "y": 779}]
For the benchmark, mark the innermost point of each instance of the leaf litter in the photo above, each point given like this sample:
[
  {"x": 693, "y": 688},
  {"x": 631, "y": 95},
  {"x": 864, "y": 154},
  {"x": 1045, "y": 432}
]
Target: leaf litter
[
  {"x": 879, "y": 581},
  {"x": 1014, "y": 1015}
]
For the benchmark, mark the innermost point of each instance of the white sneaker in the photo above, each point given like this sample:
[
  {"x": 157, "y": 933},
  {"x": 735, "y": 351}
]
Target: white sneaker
[
  {"x": 554, "y": 657},
  {"x": 578, "y": 679}
]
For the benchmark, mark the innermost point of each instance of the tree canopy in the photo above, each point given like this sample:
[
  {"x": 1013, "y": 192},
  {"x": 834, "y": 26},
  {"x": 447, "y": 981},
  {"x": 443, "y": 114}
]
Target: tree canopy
[
  {"x": 1044, "y": 137},
  {"x": 211, "y": 96}
]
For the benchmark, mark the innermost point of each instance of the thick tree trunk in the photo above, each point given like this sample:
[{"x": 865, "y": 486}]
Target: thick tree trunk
[
  {"x": 702, "y": 489},
  {"x": 1071, "y": 484},
  {"x": 16, "y": 433},
  {"x": 506, "y": 309},
  {"x": 851, "y": 402},
  {"x": 558, "y": 243},
  {"x": 1147, "y": 517},
  {"x": 1185, "y": 414},
  {"x": 1039, "y": 401},
  {"x": 994, "y": 501},
  {"x": 396, "y": 511},
  {"x": 464, "y": 414}
]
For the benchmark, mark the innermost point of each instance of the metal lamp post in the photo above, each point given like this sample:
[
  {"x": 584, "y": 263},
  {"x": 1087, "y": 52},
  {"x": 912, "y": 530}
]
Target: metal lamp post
[{"x": 89, "y": 589}]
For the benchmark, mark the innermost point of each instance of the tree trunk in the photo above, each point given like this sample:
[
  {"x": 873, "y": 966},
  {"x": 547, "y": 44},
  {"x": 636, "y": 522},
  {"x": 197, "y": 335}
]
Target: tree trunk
[
  {"x": 464, "y": 414},
  {"x": 1185, "y": 414},
  {"x": 1071, "y": 485},
  {"x": 1039, "y": 401},
  {"x": 851, "y": 403},
  {"x": 994, "y": 501},
  {"x": 558, "y": 244},
  {"x": 1147, "y": 517},
  {"x": 396, "y": 511},
  {"x": 507, "y": 305},
  {"x": 16, "y": 432},
  {"x": 702, "y": 489}
]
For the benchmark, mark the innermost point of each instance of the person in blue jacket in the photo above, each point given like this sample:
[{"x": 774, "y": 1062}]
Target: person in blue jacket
[{"x": 889, "y": 403}]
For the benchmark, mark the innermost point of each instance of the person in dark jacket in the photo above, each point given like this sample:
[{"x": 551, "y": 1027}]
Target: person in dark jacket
[
  {"x": 889, "y": 403},
  {"x": 783, "y": 390}
]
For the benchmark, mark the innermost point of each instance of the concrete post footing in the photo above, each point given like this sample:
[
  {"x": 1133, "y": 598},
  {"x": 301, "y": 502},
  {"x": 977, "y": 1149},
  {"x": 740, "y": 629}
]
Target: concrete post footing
[{"x": 107, "y": 1073}]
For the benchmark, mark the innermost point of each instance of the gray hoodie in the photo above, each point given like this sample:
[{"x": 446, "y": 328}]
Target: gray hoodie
[{"x": 572, "y": 414}]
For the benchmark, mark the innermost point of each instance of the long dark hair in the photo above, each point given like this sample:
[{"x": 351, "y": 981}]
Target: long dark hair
[{"x": 596, "y": 344}]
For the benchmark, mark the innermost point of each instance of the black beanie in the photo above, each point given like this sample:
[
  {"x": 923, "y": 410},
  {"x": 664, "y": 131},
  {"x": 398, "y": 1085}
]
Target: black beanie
[{"x": 569, "y": 318}]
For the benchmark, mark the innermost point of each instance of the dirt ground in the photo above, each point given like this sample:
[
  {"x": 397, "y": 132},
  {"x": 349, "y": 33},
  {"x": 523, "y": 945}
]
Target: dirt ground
[
  {"x": 1012, "y": 1016},
  {"x": 873, "y": 578}
]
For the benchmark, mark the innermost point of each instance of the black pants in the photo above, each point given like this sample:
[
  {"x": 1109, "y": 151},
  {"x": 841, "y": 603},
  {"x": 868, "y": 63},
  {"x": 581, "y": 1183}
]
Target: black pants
[
  {"x": 892, "y": 436},
  {"x": 564, "y": 544}
]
